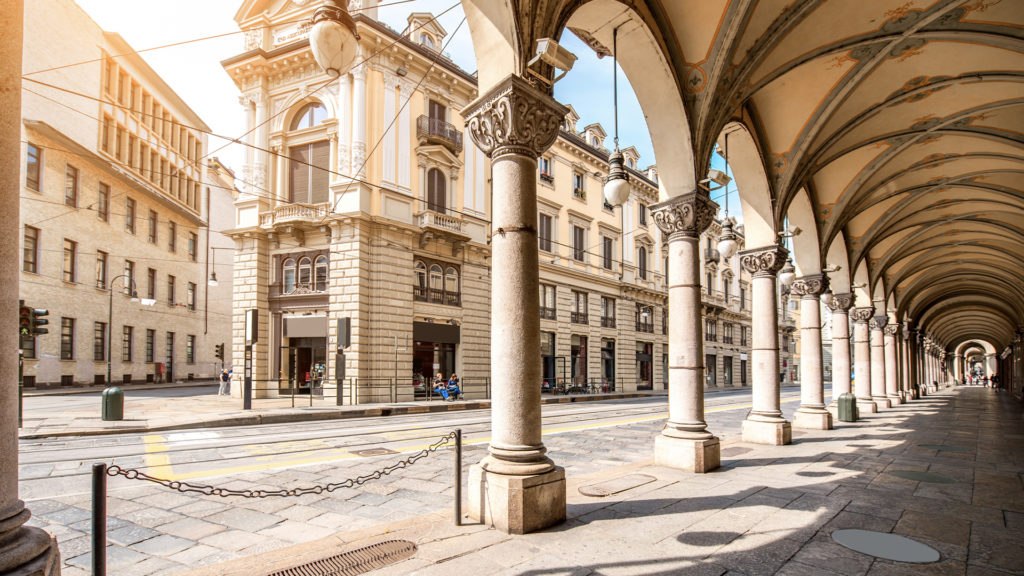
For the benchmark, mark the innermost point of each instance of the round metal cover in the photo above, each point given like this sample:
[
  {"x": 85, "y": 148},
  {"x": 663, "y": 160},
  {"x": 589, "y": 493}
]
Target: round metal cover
[{"x": 887, "y": 546}]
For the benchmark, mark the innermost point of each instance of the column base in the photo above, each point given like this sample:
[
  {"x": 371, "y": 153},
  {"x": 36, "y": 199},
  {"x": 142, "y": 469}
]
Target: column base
[
  {"x": 882, "y": 402},
  {"x": 778, "y": 433},
  {"x": 517, "y": 504},
  {"x": 693, "y": 455},
  {"x": 32, "y": 553},
  {"x": 866, "y": 406},
  {"x": 895, "y": 400},
  {"x": 812, "y": 419}
]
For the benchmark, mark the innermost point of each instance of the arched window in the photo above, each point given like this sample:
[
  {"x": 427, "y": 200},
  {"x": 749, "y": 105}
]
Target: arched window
[
  {"x": 305, "y": 273},
  {"x": 288, "y": 276},
  {"x": 426, "y": 40},
  {"x": 310, "y": 115},
  {"x": 641, "y": 258},
  {"x": 320, "y": 273},
  {"x": 436, "y": 278},
  {"x": 421, "y": 280},
  {"x": 451, "y": 286},
  {"x": 437, "y": 196}
]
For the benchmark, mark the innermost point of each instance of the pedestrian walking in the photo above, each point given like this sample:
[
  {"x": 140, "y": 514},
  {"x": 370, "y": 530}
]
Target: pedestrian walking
[{"x": 225, "y": 383}]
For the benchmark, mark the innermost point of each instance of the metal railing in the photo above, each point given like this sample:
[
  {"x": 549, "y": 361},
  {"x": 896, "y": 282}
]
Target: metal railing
[
  {"x": 607, "y": 322},
  {"x": 578, "y": 318},
  {"x": 645, "y": 327},
  {"x": 440, "y": 132},
  {"x": 436, "y": 296},
  {"x": 299, "y": 289},
  {"x": 548, "y": 313}
]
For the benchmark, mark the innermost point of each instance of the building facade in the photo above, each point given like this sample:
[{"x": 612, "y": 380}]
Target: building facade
[{"x": 115, "y": 201}]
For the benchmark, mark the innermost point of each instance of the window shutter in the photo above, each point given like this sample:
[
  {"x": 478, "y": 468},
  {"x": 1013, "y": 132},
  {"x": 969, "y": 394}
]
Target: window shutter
[
  {"x": 320, "y": 152},
  {"x": 299, "y": 174}
]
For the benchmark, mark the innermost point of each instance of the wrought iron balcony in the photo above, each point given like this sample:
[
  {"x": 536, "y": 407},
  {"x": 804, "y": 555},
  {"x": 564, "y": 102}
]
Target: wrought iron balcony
[
  {"x": 578, "y": 318},
  {"x": 436, "y": 296},
  {"x": 645, "y": 327},
  {"x": 711, "y": 255},
  {"x": 607, "y": 322},
  {"x": 435, "y": 131},
  {"x": 548, "y": 313}
]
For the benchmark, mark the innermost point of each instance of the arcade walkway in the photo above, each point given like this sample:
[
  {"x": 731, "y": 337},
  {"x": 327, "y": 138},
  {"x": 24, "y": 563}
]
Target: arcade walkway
[{"x": 771, "y": 509}]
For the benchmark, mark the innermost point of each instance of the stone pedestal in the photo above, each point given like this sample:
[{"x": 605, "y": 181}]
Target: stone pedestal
[
  {"x": 810, "y": 419},
  {"x": 687, "y": 454},
  {"x": 775, "y": 433},
  {"x": 517, "y": 504}
]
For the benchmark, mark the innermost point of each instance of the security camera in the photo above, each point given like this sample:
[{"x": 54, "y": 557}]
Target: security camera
[
  {"x": 549, "y": 52},
  {"x": 718, "y": 177}
]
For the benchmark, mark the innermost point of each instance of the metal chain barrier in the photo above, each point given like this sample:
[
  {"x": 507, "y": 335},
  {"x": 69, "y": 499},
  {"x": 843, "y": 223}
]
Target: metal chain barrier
[{"x": 133, "y": 474}]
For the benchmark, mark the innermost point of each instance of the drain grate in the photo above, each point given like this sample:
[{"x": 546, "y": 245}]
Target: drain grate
[{"x": 353, "y": 562}]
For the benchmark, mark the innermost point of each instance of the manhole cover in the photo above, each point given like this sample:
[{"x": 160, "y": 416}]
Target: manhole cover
[
  {"x": 922, "y": 476},
  {"x": 887, "y": 546},
  {"x": 614, "y": 486},
  {"x": 815, "y": 474},
  {"x": 374, "y": 452},
  {"x": 945, "y": 448},
  {"x": 353, "y": 562}
]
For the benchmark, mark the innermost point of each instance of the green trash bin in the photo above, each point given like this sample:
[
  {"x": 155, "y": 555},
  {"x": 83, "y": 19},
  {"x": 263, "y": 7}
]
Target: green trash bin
[
  {"x": 112, "y": 404},
  {"x": 847, "y": 404}
]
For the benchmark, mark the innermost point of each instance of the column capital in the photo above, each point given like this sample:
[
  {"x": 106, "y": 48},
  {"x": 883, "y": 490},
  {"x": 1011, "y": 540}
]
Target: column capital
[
  {"x": 841, "y": 303},
  {"x": 892, "y": 329},
  {"x": 514, "y": 118},
  {"x": 811, "y": 286},
  {"x": 686, "y": 215},
  {"x": 765, "y": 261},
  {"x": 879, "y": 322},
  {"x": 863, "y": 314}
]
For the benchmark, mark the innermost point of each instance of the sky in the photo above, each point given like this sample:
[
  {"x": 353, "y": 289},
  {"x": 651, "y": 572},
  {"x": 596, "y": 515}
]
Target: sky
[{"x": 194, "y": 71}]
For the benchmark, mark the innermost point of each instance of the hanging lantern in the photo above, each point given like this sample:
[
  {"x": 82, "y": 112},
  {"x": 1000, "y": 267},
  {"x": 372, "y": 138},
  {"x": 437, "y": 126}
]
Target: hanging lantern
[
  {"x": 616, "y": 185},
  {"x": 826, "y": 298},
  {"x": 333, "y": 38},
  {"x": 727, "y": 240},
  {"x": 788, "y": 273}
]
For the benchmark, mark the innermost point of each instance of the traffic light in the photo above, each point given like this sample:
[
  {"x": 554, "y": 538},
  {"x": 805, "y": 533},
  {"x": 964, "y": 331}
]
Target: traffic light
[
  {"x": 219, "y": 351},
  {"x": 38, "y": 321},
  {"x": 25, "y": 321}
]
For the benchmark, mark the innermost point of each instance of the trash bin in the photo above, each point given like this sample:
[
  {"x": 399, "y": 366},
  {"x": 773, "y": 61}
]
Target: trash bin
[
  {"x": 847, "y": 411},
  {"x": 112, "y": 404}
]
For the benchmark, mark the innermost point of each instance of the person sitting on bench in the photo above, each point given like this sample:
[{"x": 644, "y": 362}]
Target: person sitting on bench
[
  {"x": 453, "y": 388},
  {"x": 440, "y": 386}
]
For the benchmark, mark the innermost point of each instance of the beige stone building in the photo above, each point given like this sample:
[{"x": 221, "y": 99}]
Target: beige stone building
[{"x": 115, "y": 194}]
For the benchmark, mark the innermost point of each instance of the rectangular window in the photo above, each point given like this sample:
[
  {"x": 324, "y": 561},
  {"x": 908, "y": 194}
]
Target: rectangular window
[
  {"x": 170, "y": 290},
  {"x": 308, "y": 172},
  {"x": 743, "y": 296},
  {"x": 544, "y": 167},
  {"x": 547, "y": 302},
  {"x": 607, "y": 252},
  {"x": 150, "y": 344},
  {"x": 607, "y": 312},
  {"x": 172, "y": 236},
  {"x": 577, "y": 186},
  {"x": 193, "y": 246},
  {"x": 99, "y": 341},
  {"x": 190, "y": 349},
  {"x": 126, "y": 344},
  {"x": 579, "y": 246},
  {"x": 644, "y": 318},
  {"x": 151, "y": 284},
  {"x": 129, "y": 215},
  {"x": 726, "y": 333},
  {"x": 101, "y": 269},
  {"x": 711, "y": 330},
  {"x": 711, "y": 370},
  {"x": 105, "y": 134},
  {"x": 67, "y": 338},
  {"x": 103, "y": 203},
  {"x": 33, "y": 165},
  {"x": 71, "y": 186},
  {"x": 190, "y": 296},
  {"x": 642, "y": 210},
  {"x": 743, "y": 335},
  {"x": 579, "y": 307},
  {"x": 129, "y": 276},
  {"x": 545, "y": 231},
  {"x": 152, "y": 226},
  {"x": 30, "y": 253},
  {"x": 709, "y": 283},
  {"x": 170, "y": 349},
  {"x": 70, "y": 255}
]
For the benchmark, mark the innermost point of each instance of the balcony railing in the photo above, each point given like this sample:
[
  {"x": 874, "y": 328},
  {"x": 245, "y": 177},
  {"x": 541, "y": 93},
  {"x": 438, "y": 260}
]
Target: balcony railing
[
  {"x": 579, "y": 193},
  {"x": 711, "y": 255},
  {"x": 432, "y": 219},
  {"x": 547, "y": 177},
  {"x": 436, "y": 131},
  {"x": 578, "y": 318},
  {"x": 436, "y": 296},
  {"x": 548, "y": 313},
  {"x": 645, "y": 327},
  {"x": 298, "y": 289},
  {"x": 295, "y": 213},
  {"x": 607, "y": 322}
]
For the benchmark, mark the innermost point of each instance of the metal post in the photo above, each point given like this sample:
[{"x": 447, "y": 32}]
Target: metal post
[
  {"x": 21, "y": 385},
  {"x": 99, "y": 519},
  {"x": 458, "y": 476},
  {"x": 339, "y": 377},
  {"x": 247, "y": 382}
]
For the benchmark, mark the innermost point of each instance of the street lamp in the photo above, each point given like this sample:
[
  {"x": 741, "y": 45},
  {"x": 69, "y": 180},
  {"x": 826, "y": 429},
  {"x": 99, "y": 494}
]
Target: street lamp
[
  {"x": 110, "y": 312},
  {"x": 333, "y": 38}
]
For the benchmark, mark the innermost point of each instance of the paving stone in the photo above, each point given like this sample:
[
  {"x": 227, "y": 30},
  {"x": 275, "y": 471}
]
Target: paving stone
[
  {"x": 292, "y": 531},
  {"x": 995, "y": 548},
  {"x": 233, "y": 540},
  {"x": 191, "y": 528},
  {"x": 194, "y": 554},
  {"x": 130, "y": 534},
  {"x": 244, "y": 519},
  {"x": 934, "y": 526},
  {"x": 163, "y": 545}
]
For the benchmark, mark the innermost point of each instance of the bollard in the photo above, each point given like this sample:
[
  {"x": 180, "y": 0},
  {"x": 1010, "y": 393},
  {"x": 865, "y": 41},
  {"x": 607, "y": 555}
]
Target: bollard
[
  {"x": 458, "y": 476},
  {"x": 99, "y": 519},
  {"x": 112, "y": 404}
]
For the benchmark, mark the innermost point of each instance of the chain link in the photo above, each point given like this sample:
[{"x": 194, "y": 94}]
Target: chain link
[{"x": 133, "y": 474}]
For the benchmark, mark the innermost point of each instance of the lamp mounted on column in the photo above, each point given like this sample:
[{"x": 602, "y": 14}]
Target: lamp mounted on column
[
  {"x": 333, "y": 38},
  {"x": 826, "y": 297},
  {"x": 788, "y": 273},
  {"x": 616, "y": 185},
  {"x": 727, "y": 240}
]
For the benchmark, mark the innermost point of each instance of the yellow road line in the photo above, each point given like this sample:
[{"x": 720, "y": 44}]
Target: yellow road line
[{"x": 156, "y": 451}]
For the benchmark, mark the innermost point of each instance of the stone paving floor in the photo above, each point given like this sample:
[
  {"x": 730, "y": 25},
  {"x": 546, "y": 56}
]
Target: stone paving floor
[{"x": 768, "y": 510}]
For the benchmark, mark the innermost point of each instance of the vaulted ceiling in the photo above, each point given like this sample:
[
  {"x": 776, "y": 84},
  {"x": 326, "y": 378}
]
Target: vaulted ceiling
[{"x": 903, "y": 120}]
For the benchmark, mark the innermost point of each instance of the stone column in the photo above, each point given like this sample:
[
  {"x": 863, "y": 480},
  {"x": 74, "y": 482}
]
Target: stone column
[
  {"x": 878, "y": 362},
  {"x": 344, "y": 116},
  {"x": 516, "y": 487},
  {"x": 811, "y": 413},
  {"x": 862, "y": 359},
  {"x": 24, "y": 550},
  {"x": 764, "y": 423},
  {"x": 260, "y": 167},
  {"x": 892, "y": 389},
  {"x": 905, "y": 364},
  {"x": 840, "y": 307},
  {"x": 359, "y": 119},
  {"x": 685, "y": 442}
]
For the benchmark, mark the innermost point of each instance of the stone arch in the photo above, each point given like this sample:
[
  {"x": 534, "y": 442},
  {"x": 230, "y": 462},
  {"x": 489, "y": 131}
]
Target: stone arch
[
  {"x": 295, "y": 103},
  {"x": 492, "y": 25},
  {"x": 806, "y": 247},
  {"x": 985, "y": 345},
  {"x": 837, "y": 256},
  {"x": 759, "y": 226},
  {"x": 861, "y": 288}
]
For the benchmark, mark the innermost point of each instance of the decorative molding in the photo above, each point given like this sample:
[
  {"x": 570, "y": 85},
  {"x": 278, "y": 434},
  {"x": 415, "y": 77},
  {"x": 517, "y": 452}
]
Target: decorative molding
[
  {"x": 765, "y": 261},
  {"x": 514, "y": 118},
  {"x": 811, "y": 286},
  {"x": 892, "y": 330},
  {"x": 841, "y": 303},
  {"x": 863, "y": 314},
  {"x": 687, "y": 215}
]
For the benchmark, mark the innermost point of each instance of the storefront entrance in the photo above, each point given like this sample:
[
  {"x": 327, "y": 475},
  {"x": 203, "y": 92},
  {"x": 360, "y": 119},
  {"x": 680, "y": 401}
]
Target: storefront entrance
[
  {"x": 434, "y": 349},
  {"x": 305, "y": 361}
]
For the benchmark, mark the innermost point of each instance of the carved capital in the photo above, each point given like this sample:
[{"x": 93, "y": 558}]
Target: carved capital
[
  {"x": 880, "y": 321},
  {"x": 862, "y": 315},
  {"x": 764, "y": 261},
  {"x": 514, "y": 118},
  {"x": 810, "y": 286},
  {"x": 892, "y": 330},
  {"x": 841, "y": 303},
  {"x": 686, "y": 215}
]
